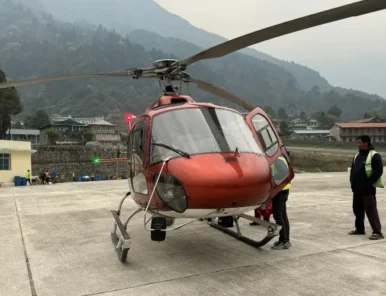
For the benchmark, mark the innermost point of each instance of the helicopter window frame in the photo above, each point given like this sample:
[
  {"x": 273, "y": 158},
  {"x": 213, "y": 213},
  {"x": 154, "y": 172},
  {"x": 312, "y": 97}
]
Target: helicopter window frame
[
  {"x": 139, "y": 128},
  {"x": 266, "y": 135},
  {"x": 137, "y": 144}
]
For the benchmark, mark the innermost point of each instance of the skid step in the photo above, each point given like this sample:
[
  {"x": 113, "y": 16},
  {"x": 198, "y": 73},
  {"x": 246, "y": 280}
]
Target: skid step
[{"x": 272, "y": 230}]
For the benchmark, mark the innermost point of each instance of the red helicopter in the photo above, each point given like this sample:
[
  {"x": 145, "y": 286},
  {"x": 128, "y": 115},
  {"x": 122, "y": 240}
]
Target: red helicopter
[{"x": 199, "y": 160}]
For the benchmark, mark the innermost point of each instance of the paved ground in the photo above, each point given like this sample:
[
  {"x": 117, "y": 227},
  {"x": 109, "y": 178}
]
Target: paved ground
[{"x": 63, "y": 231}]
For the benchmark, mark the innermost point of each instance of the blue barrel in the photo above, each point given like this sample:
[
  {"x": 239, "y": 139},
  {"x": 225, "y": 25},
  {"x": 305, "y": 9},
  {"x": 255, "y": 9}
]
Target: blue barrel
[
  {"x": 17, "y": 181},
  {"x": 79, "y": 178},
  {"x": 98, "y": 178},
  {"x": 23, "y": 181},
  {"x": 103, "y": 178}
]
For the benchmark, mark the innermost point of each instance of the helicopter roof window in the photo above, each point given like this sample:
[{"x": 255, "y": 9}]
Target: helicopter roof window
[{"x": 201, "y": 130}]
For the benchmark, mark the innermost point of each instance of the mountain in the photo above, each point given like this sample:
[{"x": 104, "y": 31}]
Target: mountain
[
  {"x": 33, "y": 44},
  {"x": 128, "y": 15}
]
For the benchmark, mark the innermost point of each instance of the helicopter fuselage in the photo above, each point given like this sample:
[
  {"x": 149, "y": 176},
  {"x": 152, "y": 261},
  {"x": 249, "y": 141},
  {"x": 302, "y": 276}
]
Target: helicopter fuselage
[{"x": 215, "y": 166}]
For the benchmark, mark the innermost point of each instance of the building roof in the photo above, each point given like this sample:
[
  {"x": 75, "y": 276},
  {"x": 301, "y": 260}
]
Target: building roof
[
  {"x": 17, "y": 131},
  {"x": 304, "y": 132},
  {"x": 304, "y": 120},
  {"x": 101, "y": 122},
  {"x": 362, "y": 125},
  {"x": 67, "y": 122}
]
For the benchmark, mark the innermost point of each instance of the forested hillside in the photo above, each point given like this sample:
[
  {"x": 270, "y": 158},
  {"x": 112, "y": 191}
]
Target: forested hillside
[
  {"x": 34, "y": 45},
  {"x": 128, "y": 15}
]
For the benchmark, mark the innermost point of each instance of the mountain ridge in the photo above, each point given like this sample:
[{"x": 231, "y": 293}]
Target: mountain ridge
[
  {"x": 150, "y": 16},
  {"x": 32, "y": 46}
]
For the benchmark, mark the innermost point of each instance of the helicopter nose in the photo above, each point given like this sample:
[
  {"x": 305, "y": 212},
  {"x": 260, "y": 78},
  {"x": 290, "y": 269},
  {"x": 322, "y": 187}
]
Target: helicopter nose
[{"x": 223, "y": 181}]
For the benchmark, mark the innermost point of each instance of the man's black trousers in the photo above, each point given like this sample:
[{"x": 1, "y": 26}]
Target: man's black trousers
[
  {"x": 366, "y": 204},
  {"x": 279, "y": 208}
]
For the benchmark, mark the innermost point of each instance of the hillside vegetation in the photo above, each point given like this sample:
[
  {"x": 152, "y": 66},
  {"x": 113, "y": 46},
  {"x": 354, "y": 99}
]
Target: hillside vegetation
[{"x": 34, "y": 44}]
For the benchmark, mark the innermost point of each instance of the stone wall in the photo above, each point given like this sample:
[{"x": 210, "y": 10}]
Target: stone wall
[{"x": 77, "y": 159}]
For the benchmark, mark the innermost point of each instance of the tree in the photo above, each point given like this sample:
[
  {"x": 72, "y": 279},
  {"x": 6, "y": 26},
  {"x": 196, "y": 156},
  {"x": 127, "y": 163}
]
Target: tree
[
  {"x": 282, "y": 114},
  {"x": 38, "y": 120},
  {"x": 334, "y": 110},
  {"x": 52, "y": 136},
  {"x": 284, "y": 128},
  {"x": 10, "y": 104},
  {"x": 269, "y": 110},
  {"x": 88, "y": 137},
  {"x": 326, "y": 121}
]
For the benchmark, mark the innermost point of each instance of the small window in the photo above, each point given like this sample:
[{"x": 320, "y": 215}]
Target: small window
[
  {"x": 137, "y": 140},
  {"x": 280, "y": 170},
  {"x": 139, "y": 183},
  {"x": 5, "y": 162},
  {"x": 266, "y": 134}
]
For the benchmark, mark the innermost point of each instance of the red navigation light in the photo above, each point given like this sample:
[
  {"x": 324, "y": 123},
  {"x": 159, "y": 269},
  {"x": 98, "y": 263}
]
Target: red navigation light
[{"x": 129, "y": 117}]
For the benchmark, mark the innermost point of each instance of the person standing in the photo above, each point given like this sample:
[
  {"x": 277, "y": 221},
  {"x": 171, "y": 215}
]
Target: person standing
[
  {"x": 47, "y": 177},
  {"x": 264, "y": 212},
  {"x": 365, "y": 175},
  {"x": 279, "y": 204},
  {"x": 53, "y": 176},
  {"x": 28, "y": 177}
]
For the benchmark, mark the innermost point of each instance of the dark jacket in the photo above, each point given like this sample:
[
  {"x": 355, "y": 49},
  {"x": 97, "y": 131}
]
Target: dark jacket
[{"x": 360, "y": 183}]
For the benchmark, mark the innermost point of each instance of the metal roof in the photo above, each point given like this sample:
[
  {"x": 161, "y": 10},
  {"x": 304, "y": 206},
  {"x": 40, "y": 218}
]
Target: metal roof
[
  {"x": 101, "y": 122},
  {"x": 311, "y": 132},
  {"x": 17, "y": 131},
  {"x": 362, "y": 125}
]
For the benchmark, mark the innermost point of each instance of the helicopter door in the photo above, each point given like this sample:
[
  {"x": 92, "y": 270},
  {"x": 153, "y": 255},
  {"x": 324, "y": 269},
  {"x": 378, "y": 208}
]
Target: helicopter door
[
  {"x": 136, "y": 158},
  {"x": 267, "y": 137}
]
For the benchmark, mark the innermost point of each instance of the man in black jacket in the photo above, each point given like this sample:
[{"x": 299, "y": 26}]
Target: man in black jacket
[{"x": 363, "y": 189}]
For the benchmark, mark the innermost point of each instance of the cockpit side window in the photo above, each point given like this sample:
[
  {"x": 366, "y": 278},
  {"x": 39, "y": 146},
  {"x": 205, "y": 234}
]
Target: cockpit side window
[{"x": 266, "y": 134}]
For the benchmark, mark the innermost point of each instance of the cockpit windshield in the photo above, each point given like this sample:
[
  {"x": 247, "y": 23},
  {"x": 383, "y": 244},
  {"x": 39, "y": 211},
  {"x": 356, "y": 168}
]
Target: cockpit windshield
[{"x": 200, "y": 130}]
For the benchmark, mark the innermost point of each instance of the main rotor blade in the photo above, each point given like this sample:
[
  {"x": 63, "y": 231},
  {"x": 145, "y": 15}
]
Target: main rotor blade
[
  {"x": 59, "y": 78},
  {"x": 328, "y": 16},
  {"x": 222, "y": 93}
]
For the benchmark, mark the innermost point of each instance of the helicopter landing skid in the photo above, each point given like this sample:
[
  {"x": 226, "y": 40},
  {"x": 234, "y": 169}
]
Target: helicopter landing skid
[
  {"x": 272, "y": 230},
  {"x": 122, "y": 239}
]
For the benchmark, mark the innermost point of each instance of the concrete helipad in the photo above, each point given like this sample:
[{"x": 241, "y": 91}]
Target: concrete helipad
[{"x": 55, "y": 240}]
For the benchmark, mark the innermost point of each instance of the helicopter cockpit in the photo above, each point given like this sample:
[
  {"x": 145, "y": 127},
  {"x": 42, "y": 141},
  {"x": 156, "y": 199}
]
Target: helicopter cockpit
[{"x": 186, "y": 132}]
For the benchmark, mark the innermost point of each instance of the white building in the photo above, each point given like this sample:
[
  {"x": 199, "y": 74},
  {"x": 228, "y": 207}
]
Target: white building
[
  {"x": 86, "y": 120},
  {"x": 348, "y": 132},
  {"x": 29, "y": 135},
  {"x": 15, "y": 160},
  {"x": 83, "y": 120},
  {"x": 104, "y": 132},
  {"x": 304, "y": 124}
]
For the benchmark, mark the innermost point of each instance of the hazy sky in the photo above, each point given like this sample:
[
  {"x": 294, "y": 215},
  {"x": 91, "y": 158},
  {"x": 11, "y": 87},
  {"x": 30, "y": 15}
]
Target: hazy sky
[{"x": 349, "y": 53}]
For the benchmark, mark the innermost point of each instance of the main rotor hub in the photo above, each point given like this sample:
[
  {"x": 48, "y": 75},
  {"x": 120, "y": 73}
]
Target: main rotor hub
[{"x": 164, "y": 63}]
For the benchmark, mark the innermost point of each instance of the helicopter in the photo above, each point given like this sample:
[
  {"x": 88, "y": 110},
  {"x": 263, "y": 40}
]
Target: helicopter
[{"x": 200, "y": 161}]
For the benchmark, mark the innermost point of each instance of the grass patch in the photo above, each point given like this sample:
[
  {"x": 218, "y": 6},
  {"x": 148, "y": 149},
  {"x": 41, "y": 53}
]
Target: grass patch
[{"x": 320, "y": 162}]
